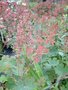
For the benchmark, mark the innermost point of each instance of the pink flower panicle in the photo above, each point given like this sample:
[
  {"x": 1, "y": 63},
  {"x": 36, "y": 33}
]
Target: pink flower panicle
[{"x": 21, "y": 23}]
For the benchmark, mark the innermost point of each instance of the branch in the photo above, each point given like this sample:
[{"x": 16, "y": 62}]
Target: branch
[{"x": 60, "y": 78}]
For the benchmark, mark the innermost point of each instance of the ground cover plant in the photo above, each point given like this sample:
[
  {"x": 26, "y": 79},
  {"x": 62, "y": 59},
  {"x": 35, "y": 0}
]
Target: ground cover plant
[{"x": 38, "y": 37}]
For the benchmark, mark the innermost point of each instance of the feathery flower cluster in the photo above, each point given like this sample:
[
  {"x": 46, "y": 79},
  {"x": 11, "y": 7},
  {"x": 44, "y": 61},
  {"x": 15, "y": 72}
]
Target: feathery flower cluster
[{"x": 21, "y": 23}]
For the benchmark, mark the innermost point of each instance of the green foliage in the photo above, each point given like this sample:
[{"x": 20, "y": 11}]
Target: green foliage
[{"x": 32, "y": 4}]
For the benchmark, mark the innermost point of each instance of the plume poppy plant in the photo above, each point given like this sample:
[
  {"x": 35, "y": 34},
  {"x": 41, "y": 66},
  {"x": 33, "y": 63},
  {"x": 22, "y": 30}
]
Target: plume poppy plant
[
  {"x": 20, "y": 23},
  {"x": 36, "y": 36}
]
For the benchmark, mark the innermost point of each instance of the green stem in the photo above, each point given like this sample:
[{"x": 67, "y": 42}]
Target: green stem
[
  {"x": 38, "y": 70},
  {"x": 32, "y": 72}
]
